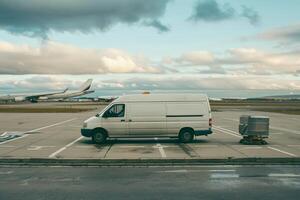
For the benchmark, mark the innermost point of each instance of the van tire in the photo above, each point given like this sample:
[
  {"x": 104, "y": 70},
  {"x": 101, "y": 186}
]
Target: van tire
[
  {"x": 186, "y": 135},
  {"x": 99, "y": 137}
]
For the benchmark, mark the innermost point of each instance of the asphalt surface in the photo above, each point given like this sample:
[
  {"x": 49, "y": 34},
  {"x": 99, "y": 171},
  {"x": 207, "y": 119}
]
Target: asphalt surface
[
  {"x": 206, "y": 182},
  {"x": 57, "y": 135}
]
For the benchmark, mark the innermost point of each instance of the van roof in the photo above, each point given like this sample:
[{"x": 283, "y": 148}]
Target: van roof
[{"x": 162, "y": 97}]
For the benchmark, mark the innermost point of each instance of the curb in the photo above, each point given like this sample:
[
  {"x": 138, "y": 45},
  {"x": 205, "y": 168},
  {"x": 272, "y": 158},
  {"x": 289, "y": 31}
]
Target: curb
[{"x": 146, "y": 162}]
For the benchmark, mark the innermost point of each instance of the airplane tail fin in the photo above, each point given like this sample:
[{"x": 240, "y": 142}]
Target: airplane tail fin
[{"x": 86, "y": 86}]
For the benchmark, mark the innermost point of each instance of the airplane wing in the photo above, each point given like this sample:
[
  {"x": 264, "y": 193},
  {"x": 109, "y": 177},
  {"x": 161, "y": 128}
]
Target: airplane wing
[{"x": 45, "y": 94}]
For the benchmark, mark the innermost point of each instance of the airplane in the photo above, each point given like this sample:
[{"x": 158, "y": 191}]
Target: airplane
[
  {"x": 84, "y": 89},
  {"x": 28, "y": 97}
]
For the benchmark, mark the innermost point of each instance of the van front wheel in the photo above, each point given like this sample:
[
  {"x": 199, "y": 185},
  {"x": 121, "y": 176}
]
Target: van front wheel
[
  {"x": 186, "y": 135},
  {"x": 99, "y": 137}
]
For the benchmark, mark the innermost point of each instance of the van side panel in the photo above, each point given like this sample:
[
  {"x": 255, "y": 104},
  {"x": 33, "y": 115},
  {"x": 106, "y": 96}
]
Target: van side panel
[
  {"x": 147, "y": 118},
  {"x": 187, "y": 114}
]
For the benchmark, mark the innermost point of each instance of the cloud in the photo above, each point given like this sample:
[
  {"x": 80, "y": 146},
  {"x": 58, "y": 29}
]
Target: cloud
[
  {"x": 251, "y": 15},
  {"x": 58, "y": 58},
  {"x": 212, "y": 11},
  {"x": 37, "y": 18},
  {"x": 197, "y": 57},
  {"x": 290, "y": 34},
  {"x": 241, "y": 61},
  {"x": 158, "y": 25}
]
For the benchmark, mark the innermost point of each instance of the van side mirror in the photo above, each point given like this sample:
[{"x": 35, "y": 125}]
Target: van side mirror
[{"x": 97, "y": 115}]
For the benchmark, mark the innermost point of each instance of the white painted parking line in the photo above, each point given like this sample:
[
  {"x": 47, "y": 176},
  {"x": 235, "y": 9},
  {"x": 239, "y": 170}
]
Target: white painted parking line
[
  {"x": 283, "y": 175},
  {"x": 131, "y": 146},
  {"x": 252, "y": 148},
  {"x": 38, "y": 129},
  {"x": 161, "y": 149},
  {"x": 227, "y": 131},
  {"x": 64, "y": 148},
  {"x": 36, "y": 148},
  {"x": 281, "y": 151},
  {"x": 56, "y": 124},
  {"x": 23, "y": 136},
  {"x": 204, "y": 145},
  {"x": 3, "y": 134},
  {"x": 285, "y": 130}
]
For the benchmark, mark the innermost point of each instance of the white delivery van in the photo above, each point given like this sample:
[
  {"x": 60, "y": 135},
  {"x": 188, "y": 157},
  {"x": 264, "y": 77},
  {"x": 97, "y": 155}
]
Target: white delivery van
[{"x": 152, "y": 115}]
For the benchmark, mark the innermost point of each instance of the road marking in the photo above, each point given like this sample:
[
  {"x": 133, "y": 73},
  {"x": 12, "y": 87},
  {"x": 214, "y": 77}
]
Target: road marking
[
  {"x": 252, "y": 148},
  {"x": 3, "y": 134},
  {"x": 285, "y": 129},
  {"x": 6, "y": 173},
  {"x": 56, "y": 124},
  {"x": 84, "y": 147},
  {"x": 229, "y": 132},
  {"x": 64, "y": 148},
  {"x": 276, "y": 133},
  {"x": 131, "y": 146},
  {"x": 161, "y": 149},
  {"x": 283, "y": 175},
  {"x": 225, "y": 175},
  {"x": 35, "y": 148},
  {"x": 37, "y": 129},
  {"x": 222, "y": 170},
  {"x": 204, "y": 145},
  {"x": 281, "y": 151},
  {"x": 175, "y": 171},
  {"x": 23, "y": 136},
  {"x": 199, "y": 170}
]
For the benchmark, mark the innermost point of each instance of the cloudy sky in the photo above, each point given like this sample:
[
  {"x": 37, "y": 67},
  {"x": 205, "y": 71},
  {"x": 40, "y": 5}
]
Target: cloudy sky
[{"x": 128, "y": 46}]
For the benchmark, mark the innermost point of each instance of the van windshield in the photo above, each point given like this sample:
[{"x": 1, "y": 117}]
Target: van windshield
[{"x": 103, "y": 110}]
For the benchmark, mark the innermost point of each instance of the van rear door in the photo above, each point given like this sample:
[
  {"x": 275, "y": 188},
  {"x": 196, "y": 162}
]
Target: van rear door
[{"x": 147, "y": 118}]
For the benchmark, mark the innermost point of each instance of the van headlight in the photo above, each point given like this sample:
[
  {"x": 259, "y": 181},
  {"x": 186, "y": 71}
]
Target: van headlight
[{"x": 84, "y": 125}]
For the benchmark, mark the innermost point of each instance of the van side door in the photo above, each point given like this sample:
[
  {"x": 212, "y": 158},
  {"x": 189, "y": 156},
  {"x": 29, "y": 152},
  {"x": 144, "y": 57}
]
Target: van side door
[
  {"x": 147, "y": 119},
  {"x": 114, "y": 120}
]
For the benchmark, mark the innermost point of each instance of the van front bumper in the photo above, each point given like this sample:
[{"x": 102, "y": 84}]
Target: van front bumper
[
  {"x": 203, "y": 132},
  {"x": 87, "y": 132}
]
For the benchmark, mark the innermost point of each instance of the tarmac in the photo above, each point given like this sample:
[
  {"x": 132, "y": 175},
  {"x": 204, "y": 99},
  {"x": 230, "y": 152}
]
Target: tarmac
[{"x": 56, "y": 136}]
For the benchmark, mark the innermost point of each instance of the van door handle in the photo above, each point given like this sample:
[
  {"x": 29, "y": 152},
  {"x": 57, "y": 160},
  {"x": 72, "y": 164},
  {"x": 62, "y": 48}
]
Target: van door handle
[
  {"x": 122, "y": 120},
  {"x": 130, "y": 120}
]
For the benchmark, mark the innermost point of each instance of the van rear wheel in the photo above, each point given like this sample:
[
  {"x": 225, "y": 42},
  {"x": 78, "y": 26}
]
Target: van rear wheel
[
  {"x": 186, "y": 135},
  {"x": 99, "y": 137}
]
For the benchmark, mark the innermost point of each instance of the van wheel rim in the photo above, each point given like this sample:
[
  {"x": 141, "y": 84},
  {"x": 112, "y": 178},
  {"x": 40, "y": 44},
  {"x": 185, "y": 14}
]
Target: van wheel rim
[
  {"x": 186, "y": 136},
  {"x": 99, "y": 137}
]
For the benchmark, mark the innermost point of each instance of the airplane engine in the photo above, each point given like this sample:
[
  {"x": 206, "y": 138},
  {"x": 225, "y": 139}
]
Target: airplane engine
[{"x": 18, "y": 99}]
